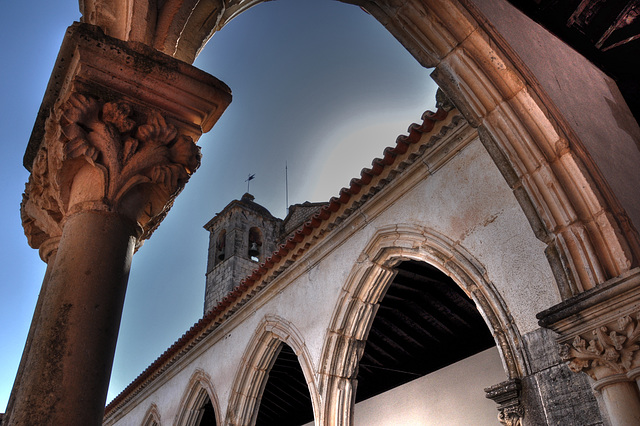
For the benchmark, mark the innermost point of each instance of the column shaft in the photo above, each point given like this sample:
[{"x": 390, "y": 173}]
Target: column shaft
[
  {"x": 66, "y": 375},
  {"x": 112, "y": 147},
  {"x": 623, "y": 403},
  {"x": 27, "y": 346}
]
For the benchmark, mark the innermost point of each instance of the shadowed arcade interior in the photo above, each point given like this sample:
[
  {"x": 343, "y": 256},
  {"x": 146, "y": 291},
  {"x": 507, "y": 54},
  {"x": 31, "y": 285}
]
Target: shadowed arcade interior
[
  {"x": 285, "y": 400},
  {"x": 424, "y": 322},
  {"x": 206, "y": 414}
]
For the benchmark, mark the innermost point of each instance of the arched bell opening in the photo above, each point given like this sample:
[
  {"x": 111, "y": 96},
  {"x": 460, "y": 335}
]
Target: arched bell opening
[
  {"x": 221, "y": 243},
  {"x": 255, "y": 244}
]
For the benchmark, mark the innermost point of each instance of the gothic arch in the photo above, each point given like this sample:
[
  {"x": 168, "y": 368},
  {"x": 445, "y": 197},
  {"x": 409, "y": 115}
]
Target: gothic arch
[
  {"x": 152, "y": 418},
  {"x": 199, "y": 389},
  {"x": 258, "y": 358},
  {"x": 569, "y": 204},
  {"x": 367, "y": 284}
]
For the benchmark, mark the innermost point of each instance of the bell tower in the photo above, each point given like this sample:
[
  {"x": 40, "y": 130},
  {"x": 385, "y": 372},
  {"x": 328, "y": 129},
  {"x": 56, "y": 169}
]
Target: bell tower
[{"x": 241, "y": 236}]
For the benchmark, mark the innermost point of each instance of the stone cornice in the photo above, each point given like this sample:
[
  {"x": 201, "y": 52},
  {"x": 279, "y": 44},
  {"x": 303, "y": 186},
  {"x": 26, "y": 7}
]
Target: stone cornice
[
  {"x": 507, "y": 396},
  {"x": 92, "y": 63},
  {"x": 616, "y": 297}
]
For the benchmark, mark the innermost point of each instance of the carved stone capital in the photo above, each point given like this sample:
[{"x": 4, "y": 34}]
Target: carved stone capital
[
  {"x": 105, "y": 156},
  {"x": 507, "y": 396},
  {"x": 599, "y": 330},
  {"x": 607, "y": 350},
  {"x": 115, "y": 133}
]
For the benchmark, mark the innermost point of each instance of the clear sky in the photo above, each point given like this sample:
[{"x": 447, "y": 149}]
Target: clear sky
[{"x": 317, "y": 84}]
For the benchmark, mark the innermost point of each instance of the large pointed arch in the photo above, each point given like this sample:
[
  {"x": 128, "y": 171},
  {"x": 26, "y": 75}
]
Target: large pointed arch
[
  {"x": 199, "y": 390},
  {"x": 569, "y": 203},
  {"x": 258, "y": 358},
  {"x": 367, "y": 284}
]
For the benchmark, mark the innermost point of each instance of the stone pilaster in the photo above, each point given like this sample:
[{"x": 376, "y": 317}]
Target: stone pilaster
[
  {"x": 599, "y": 334},
  {"x": 113, "y": 145}
]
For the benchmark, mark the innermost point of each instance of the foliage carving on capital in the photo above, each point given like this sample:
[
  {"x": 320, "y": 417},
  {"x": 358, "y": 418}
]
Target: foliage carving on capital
[
  {"x": 105, "y": 156},
  {"x": 609, "y": 350},
  {"x": 507, "y": 396},
  {"x": 511, "y": 416}
]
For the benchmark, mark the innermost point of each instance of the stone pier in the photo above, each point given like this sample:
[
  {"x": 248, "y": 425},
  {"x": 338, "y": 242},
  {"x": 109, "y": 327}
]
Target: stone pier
[{"x": 113, "y": 145}]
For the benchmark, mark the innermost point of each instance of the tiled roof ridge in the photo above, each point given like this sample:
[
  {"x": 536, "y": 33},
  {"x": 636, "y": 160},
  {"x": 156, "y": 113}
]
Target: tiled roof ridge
[{"x": 284, "y": 256}]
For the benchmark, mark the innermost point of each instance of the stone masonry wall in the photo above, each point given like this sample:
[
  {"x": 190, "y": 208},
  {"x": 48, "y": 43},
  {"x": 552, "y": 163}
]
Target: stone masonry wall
[
  {"x": 552, "y": 394},
  {"x": 298, "y": 214},
  {"x": 225, "y": 274}
]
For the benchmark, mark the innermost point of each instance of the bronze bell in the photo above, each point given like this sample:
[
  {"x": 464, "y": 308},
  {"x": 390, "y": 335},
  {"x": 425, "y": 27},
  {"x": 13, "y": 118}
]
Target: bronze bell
[{"x": 253, "y": 250}]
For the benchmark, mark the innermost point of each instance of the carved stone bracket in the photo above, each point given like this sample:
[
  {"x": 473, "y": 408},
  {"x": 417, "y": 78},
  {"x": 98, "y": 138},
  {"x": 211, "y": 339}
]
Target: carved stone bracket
[
  {"x": 115, "y": 133},
  {"x": 507, "y": 396}
]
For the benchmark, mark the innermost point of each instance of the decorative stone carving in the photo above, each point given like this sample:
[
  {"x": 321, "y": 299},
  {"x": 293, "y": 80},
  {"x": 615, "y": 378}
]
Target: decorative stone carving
[
  {"x": 115, "y": 133},
  {"x": 598, "y": 330},
  {"x": 128, "y": 161},
  {"x": 507, "y": 396},
  {"x": 599, "y": 334},
  {"x": 609, "y": 350}
]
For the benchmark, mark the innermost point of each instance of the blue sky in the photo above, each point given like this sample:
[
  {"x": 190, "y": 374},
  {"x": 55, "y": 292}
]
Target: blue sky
[{"x": 317, "y": 84}]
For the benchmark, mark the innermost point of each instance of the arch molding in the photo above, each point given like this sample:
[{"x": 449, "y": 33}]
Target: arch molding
[
  {"x": 365, "y": 288},
  {"x": 259, "y": 357}
]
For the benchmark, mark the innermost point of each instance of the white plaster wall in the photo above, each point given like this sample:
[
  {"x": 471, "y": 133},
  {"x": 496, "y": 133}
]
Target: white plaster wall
[{"x": 467, "y": 200}]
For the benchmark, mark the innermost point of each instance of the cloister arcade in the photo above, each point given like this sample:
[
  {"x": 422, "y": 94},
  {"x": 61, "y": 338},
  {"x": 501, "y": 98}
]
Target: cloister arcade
[{"x": 521, "y": 188}]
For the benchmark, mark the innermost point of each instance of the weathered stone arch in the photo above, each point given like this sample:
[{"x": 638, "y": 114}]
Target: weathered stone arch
[
  {"x": 258, "y": 358},
  {"x": 367, "y": 284},
  {"x": 198, "y": 390},
  {"x": 152, "y": 418},
  {"x": 569, "y": 203},
  {"x": 185, "y": 26}
]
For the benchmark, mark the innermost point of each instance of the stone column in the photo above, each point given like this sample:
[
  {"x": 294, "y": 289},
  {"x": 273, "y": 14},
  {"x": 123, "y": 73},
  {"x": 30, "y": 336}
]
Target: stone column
[
  {"x": 112, "y": 147},
  {"x": 600, "y": 335},
  {"x": 48, "y": 252},
  {"x": 67, "y": 370}
]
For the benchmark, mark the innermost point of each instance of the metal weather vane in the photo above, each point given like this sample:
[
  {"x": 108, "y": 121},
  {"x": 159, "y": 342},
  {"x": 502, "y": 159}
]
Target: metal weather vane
[{"x": 249, "y": 179}]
